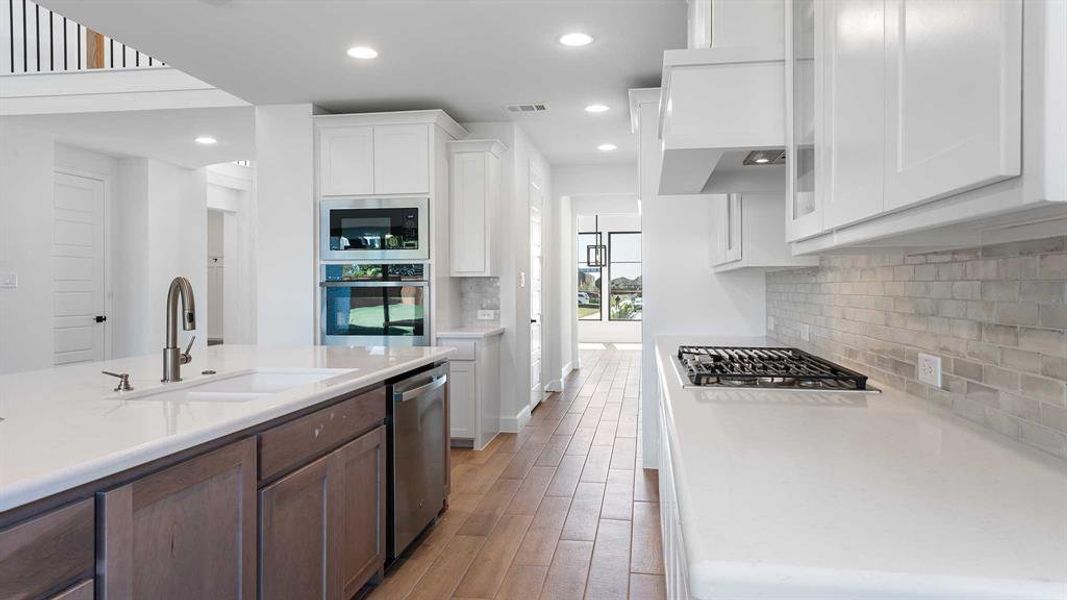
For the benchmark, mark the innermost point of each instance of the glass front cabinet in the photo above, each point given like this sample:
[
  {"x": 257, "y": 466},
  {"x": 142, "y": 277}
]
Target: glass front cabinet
[{"x": 803, "y": 82}]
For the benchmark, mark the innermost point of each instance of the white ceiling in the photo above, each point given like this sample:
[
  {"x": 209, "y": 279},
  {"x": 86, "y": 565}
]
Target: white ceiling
[
  {"x": 469, "y": 57},
  {"x": 162, "y": 134}
]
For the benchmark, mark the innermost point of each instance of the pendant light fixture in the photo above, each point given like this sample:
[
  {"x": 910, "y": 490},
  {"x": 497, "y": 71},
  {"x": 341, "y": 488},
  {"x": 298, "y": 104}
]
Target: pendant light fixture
[{"x": 596, "y": 255}]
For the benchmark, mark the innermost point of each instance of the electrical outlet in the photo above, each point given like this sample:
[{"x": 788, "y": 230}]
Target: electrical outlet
[
  {"x": 9, "y": 280},
  {"x": 805, "y": 332},
  {"x": 486, "y": 315},
  {"x": 930, "y": 369}
]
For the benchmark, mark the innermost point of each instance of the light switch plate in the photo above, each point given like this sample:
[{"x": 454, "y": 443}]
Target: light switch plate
[
  {"x": 805, "y": 332},
  {"x": 9, "y": 279},
  {"x": 486, "y": 315},
  {"x": 771, "y": 324},
  {"x": 930, "y": 369}
]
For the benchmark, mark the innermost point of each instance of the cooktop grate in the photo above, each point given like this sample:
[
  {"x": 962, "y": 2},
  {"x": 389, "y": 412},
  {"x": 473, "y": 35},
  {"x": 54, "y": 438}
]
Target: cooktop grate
[{"x": 728, "y": 366}]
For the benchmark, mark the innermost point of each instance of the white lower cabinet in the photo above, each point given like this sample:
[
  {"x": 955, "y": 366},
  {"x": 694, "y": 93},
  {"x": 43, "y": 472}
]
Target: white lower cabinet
[
  {"x": 474, "y": 390},
  {"x": 675, "y": 566}
]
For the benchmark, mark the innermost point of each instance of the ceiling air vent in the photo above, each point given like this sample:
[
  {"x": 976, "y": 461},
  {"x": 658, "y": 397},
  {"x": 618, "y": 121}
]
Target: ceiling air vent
[{"x": 526, "y": 108}]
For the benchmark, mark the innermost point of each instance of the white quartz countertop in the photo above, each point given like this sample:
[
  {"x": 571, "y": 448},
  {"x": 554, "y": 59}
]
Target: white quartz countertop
[
  {"x": 63, "y": 427},
  {"x": 785, "y": 494},
  {"x": 471, "y": 331}
]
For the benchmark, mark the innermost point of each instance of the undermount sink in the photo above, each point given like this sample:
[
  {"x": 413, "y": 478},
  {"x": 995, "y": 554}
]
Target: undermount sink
[{"x": 241, "y": 386}]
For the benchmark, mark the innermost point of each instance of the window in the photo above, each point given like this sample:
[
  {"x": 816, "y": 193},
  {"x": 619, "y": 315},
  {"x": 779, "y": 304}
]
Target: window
[
  {"x": 624, "y": 268},
  {"x": 589, "y": 280}
]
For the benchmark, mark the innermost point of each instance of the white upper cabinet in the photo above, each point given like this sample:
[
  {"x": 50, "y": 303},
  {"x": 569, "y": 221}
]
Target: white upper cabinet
[
  {"x": 346, "y": 156},
  {"x": 905, "y": 116},
  {"x": 380, "y": 159},
  {"x": 854, "y": 124},
  {"x": 803, "y": 89},
  {"x": 475, "y": 179},
  {"x": 953, "y": 96},
  {"x": 749, "y": 234},
  {"x": 402, "y": 159}
]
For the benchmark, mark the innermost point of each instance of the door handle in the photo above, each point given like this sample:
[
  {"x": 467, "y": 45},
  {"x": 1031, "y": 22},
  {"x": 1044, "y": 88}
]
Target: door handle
[
  {"x": 422, "y": 389},
  {"x": 100, "y": 318}
]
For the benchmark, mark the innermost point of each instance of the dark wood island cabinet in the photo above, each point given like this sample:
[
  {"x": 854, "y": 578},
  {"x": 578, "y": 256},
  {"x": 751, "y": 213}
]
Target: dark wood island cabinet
[{"x": 293, "y": 508}]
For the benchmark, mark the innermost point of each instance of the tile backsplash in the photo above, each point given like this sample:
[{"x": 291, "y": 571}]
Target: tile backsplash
[
  {"x": 996, "y": 315},
  {"x": 478, "y": 293}
]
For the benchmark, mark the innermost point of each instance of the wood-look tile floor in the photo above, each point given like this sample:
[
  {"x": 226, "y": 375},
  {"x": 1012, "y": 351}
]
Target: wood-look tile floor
[{"x": 560, "y": 510}]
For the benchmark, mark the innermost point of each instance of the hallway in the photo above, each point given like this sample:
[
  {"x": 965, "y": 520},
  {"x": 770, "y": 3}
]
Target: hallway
[{"x": 558, "y": 510}]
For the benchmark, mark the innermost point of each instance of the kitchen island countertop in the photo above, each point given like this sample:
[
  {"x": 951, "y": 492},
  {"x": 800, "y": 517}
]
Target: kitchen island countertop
[{"x": 65, "y": 426}]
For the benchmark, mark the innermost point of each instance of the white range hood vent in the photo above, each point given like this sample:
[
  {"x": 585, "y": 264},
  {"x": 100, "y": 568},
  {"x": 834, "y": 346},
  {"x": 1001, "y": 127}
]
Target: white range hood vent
[{"x": 719, "y": 105}]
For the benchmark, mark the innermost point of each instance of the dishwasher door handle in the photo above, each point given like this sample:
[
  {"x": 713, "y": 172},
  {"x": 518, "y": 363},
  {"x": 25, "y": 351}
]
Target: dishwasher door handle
[{"x": 422, "y": 389}]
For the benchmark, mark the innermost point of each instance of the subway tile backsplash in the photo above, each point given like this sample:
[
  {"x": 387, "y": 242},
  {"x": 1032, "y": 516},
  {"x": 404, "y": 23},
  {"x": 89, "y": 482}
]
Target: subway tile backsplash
[{"x": 996, "y": 315}]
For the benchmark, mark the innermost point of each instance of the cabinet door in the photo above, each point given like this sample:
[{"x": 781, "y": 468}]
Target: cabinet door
[
  {"x": 726, "y": 213},
  {"x": 854, "y": 114},
  {"x": 185, "y": 532},
  {"x": 804, "y": 91},
  {"x": 362, "y": 463},
  {"x": 402, "y": 159},
  {"x": 462, "y": 397},
  {"x": 47, "y": 552},
  {"x": 469, "y": 214},
  {"x": 953, "y": 96},
  {"x": 346, "y": 161},
  {"x": 322, "y": 527},
  {"x": 300, "y": 521}
]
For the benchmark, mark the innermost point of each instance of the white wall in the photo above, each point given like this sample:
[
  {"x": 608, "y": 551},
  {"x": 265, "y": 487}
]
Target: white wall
[
  {"x": 26, "y": 175},
  {"x": 681, "y": 294},
  {"x": 177, "y": 245},
  {"x": 130, "y": 264},
  {"x": 285, "y": 225},
  {"x": 514, "y": 222}
]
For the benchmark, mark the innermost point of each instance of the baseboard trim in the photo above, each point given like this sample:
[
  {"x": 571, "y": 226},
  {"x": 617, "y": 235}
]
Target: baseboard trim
[
  {"x": 516, "y": 423},
  {"x": 556, "y": 385}
]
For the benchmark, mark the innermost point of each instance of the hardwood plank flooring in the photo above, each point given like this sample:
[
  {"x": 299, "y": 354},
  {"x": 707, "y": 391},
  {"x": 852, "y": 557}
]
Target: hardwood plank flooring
[{"x": 560, "y": 510}]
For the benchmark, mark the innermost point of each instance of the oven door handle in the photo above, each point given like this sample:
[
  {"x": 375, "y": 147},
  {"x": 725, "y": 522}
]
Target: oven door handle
[
  {"x": 371, "y": 284},
  {"x": 436, "y": 383}
]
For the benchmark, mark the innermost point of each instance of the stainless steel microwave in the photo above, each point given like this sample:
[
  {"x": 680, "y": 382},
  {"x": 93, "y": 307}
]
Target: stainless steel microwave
[{"x": 359, "y": 229}]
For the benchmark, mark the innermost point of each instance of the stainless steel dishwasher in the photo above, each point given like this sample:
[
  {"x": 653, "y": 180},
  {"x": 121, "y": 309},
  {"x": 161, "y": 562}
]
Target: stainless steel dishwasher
[{"x": 419, "y": 455}]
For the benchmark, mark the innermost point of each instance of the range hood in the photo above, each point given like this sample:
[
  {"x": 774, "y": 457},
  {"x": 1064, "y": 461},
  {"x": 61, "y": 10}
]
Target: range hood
[{"x": 719, "y": 106}]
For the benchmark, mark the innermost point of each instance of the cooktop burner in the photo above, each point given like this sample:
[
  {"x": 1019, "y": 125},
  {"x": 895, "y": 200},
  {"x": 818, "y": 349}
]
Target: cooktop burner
[{"x": 788, "y": 368}]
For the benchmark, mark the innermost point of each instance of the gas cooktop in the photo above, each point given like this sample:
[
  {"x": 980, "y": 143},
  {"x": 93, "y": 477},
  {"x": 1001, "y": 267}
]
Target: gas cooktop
[{"x": 778, "y": 368}]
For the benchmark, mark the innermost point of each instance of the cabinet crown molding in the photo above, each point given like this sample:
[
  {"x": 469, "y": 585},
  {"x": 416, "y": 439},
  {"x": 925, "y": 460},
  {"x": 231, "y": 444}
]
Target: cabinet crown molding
[
  {"x": 406, "y": 117},
  {"x": 496, "y": 147}
]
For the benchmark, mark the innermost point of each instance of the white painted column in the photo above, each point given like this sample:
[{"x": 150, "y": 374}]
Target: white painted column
[{"x": 285, "y": 225}]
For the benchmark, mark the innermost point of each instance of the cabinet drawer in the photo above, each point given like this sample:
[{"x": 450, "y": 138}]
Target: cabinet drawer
[
  {"x": 297, "y": 442},
  {"x": 47, "y": 552},
  {"x": 465, "y": 349}
]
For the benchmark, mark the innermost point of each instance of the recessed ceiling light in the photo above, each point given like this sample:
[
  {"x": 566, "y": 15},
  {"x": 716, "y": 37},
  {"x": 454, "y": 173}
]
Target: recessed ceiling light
[
  {"x": 362, "y": 52},
  {"x": 206, "y": 140},
  {"x": 607, "y": 147},
  {"x": 597, "y": 108},
  {"x": 576, "y": 39},
  {"x": 762, "y": 161}
]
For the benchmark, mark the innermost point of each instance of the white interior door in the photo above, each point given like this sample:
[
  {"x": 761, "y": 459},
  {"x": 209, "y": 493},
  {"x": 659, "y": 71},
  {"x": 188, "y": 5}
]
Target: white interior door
[
  {"x": 537, "y": 387},
  {"x": 79, "y": 317}
]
